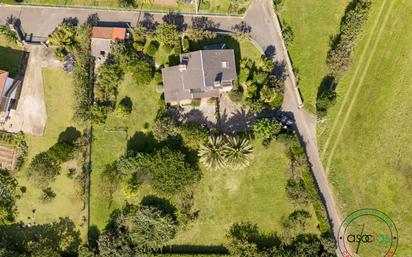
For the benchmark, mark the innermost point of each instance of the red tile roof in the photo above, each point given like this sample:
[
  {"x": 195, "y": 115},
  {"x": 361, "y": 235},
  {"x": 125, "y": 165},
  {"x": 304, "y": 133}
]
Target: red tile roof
[
  {"x": 109, "y": 33},
  {"x": 3, "y": 78}
]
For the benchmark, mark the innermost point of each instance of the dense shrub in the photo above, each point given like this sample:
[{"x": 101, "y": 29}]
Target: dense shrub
[
  {"x": 125, "y": 106},
  {"x": 287, "y": 33},
  {"x": 165, "y": 127},
  {"x": 204, "y": 5},
  {"x": 10, "y": 35},
  {"x": 136, "y": 231},
  {"x": 296, "y": 191},
  {"x": 186, "y": 45},
  {"x": 99, "y": 114},
  {"x": 260, "y": 77},
  {"x": 82, "y": 74},
  {"x": 278, "y": 4},
  {"x": 8, "y": 185},
  {"x": 43, "y": 169},
  {"x": 48, "y": 195},
  {"x": 236, "y": 94},
  {"x": 324, "y": 101},
  {"x": 198, "y": 34},
  {"x": 157, "y": 77},
  {"x": 61, "y": 151},
  {"x": 142, "y": 72},
  {"x": 245, "y": 239},
  {"x": 167, "y": 34},
  {"x": 169, "y": 171},
  {"x": 127, "y": 3},
  {"x": 193, "y": 135},
  {"x": 340, "y": 55},
  {"x": 244, "y": 75},
  {"x": 298, "y": 219},
  {"x": 151, "y": 49},
  {"x": 64, "y": 37},
  {"x": 108, "y": 80},
  {"x": 266, "y": 129}
]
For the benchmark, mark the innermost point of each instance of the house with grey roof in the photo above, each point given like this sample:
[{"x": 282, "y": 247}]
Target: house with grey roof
[{"x": 200, "y": 76}]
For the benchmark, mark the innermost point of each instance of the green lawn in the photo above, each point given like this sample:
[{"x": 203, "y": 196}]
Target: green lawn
[
  {"x": 370, "y": 158},
  {"x": 255, "y": 194},
  {"x": 312, "y": 22},
  {"x": 10, "y": 56},
  {"x": 223, "y": 6},
  {"x": 59, "y": 100},
  {"x": 111, "y": 141}
]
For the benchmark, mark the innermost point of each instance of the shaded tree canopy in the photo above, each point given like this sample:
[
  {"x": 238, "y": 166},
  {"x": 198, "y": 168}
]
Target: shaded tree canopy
[
  {"x": 136, "y": 230},
  {"x": 8, "y": 186}
]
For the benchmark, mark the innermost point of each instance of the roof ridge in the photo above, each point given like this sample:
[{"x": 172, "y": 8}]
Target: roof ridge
[{"x": 203, "y": 70}]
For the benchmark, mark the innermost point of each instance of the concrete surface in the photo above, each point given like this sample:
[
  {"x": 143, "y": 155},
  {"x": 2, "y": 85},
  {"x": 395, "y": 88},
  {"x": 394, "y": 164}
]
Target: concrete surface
[{"x": 30, "y": 115}]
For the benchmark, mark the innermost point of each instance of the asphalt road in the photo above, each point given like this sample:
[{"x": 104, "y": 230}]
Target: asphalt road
[{"x": 264, "y": 30}]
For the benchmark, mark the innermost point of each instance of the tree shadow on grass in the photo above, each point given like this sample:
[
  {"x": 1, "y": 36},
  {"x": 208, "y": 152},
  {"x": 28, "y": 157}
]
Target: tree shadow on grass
[
  {"x": 250, "y": 233},
  {"x": 142, "y": 142},
  {"x": 164, "y": 205},
  {"x": 93, "y": 236},
  {"x": 9, "y": 60},
  {"x": 69, "y": 135},
  {"x": 60, "y": 236}
]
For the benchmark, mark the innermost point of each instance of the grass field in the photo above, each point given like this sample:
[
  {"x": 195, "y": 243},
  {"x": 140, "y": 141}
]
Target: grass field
[
  {"x": 255, "y": 194},
  {"x": 112, "y": 140},
  {"x": 58, "y": 96},
  {"x": 366, "y": 142},
  {"x": 10, "y": 56},
  {"x": 312, "y": 22},
  {"x": 223, "y": 6}
]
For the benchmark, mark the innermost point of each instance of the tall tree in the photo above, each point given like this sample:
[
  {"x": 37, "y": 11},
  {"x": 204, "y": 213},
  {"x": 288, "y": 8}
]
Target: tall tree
[
  {"x": 134, "y": 231},
  {"x": 167, "y": 34}
]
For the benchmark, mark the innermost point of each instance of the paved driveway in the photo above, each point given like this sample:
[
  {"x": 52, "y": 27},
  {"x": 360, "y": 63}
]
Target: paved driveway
[{"x": 30, "y": 115}]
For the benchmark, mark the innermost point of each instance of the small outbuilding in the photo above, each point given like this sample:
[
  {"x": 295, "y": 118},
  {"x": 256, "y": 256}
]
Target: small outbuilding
[{"x": 102, "y": 38}]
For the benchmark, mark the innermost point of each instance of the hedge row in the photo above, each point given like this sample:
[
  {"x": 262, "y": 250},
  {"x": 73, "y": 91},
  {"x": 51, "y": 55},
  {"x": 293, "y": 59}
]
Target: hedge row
[{"x": 340, "y": 55}]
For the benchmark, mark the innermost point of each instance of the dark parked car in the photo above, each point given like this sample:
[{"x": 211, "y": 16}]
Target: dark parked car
[{"x": 285, "y": 120}]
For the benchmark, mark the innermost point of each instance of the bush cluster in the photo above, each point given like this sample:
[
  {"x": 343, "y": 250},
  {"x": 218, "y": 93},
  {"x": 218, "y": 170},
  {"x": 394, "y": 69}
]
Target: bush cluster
[
  {"x": 340, "y": 55},
  {"x": 259, "y": 88},
  {"x": 45, "y": 166}
]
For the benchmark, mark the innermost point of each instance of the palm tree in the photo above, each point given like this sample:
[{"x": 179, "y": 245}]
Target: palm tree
[
  {"x": 238, "y": 152},
  {"x": 212, "y": 153}
]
